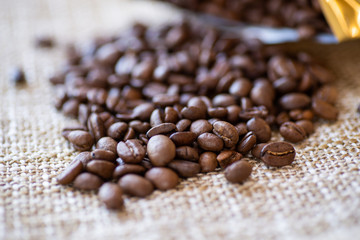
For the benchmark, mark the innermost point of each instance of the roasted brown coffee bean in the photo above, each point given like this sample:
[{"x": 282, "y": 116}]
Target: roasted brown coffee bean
[
  {"x": 210, "y": 142},
  {"x": 70, "y": 172},
  {"x": 111, "y": 195},
  {"x": 223, "y": 100},
  {"x": 307, "y": 125},
  {"x": 143, "y": 111},
  {"x": 96, "y": 126},
  {"x": 187, "y": 153},
  {"x": 156, "y": 118},
  {"x": 246, "y": 143},
  {"x": 139, "y": 127},
  {"x": 162, "y": 178},
  {"x": 162, "y": 128},
  {"x": 183, "y": 125},
  {"x": 227, "y": 132},
  {"x": 285, "y": 85},
  {"x": 278, "y": 154},
  {"x": 184, "y": 168},
  {"x": 193, "y": 113},
  {"x": 241, "y": 128},
  {"x": 233, "y": 112},
  {"x": 218, "y": 112},
  {"x": 321, "y": 74},
  {"x": 227, "y": 157},
  {"x": 298, "y": 114},
  {"x": 238, "y": 172},
  {"x": 256, "y": 151},
  {"x": 171, "y": 115},
  {"x": 292, "y": 132},
  {"x": 124, "y": 169},
  {"x": 103, "y": 169},
  {"x": 135, "y": 185},
  {"x": 17, "y": 76},
  {"x": 208, "y": 162},
  {"x": 81, "y": 140},
  {"x": 161, "y": 150},
  {"x": 102, "y": 154},
  {"x": 260, "y": 128},
  {"x": 164, "y": 100},
  {"x": 87, "y": 181},
  {"x": 327, "y": 93},
  {"x": 324, "y": 109},
  {"x": 44, "y": 41},
  {"x": 294, "y": 101},
  {"x": 107, "y": 143},
  {"x": 259, "y": 112},
  {"x": 130, "y": 134},
  {"x": 282, "y": 117},
  {"x": 131, "y": 151},
  {"x": 183, "y": 138},
  {"x": 240, "y": 87},
  {"x": 262, "y": 93},
  {"x": 200, "y": 126},
  {"x": 71, "y": 108}
]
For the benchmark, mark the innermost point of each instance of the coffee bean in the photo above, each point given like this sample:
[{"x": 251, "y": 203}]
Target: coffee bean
[
  {"x": 278, "y": 154},
  {"x": 139, "y": 127},
  {"x": 233, "y": 112},
  {"x": 193, "y": 113},
  {"x": 162, "y": 128},
  {"x": 210, "y": 142},
  {"x": 321, "y": 74},
  {"x": 71, "y": 108},
  {"x": 17, "y": 76},
  {"x": 259, "y": 112},
  {"x": 96, "y": 126},
  {"x": 256, "y": 151},
  {"x": 111, "y": 195},
  {"x": 164, "y": 100},
  {"x": 200, "y": 126},
  {"x": 184, "y": 168},
  {"x": 298, "y": 114},
  {"x": 70, "y": 172},
  {"x": 262, "y": 93},
  {"x": 135, "y": 185},
  {"x": 81, "y": 140},
  {"x": 187, "y": 153},
  {"x": 241, "y": 129},
  {"x": 285, "y": 85},
  {"x": 238, "y": 172},
  {"x": 292, "y": 132},
  {"x": 161, "y": 150},
  {"x": 218, "y": 112},
  {"x": 107, "y": 143},
  {"x": 227, "y": 132},
  {"x": 183, "y": 138},
  {"x": 87, "y": 181},
  {"x": 223, "y": 100},
  {"x": 143, "y": 111},
  {"x": 171, "y": 115},
  {"x": 227, "y": 157},
  {"x": 260, "y": 128},
  {"x": 307, "y": 125},
  {"x": 183, "y": 125},
  {"x": 246, "y": 143},
  {"x": 130, "y": 134},
  {"x": 44, "y": 41},
  {"x": 103, "y": 169},
  {"x": 240, "y": 87},
  {"x": 324, "y": 109},
  {"x": 294, "y": 101},
  {"x": 105, "y": 155},
  {"x": 208, "y": 162},
  {"x": 131, "y": 151},
  {"x": 327, "y": 93},
  {"x": 162, "y": 178},
  {"x": 124, "y": 169}
]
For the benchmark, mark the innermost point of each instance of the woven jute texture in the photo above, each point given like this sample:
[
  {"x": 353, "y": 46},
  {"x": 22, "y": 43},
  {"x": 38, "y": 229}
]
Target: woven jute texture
[{"x": 318, "y": 197}]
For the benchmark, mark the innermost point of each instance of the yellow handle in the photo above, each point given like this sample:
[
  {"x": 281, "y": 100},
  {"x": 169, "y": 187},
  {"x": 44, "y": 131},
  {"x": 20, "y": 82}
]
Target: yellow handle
[{"x": 343, "y": 17}]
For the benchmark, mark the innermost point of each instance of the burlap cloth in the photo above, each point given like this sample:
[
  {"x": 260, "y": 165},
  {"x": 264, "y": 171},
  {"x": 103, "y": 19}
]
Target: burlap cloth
[{"x": 318, "y": 197}]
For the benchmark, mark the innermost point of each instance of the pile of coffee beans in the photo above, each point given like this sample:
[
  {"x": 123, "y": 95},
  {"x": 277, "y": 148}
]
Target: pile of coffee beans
[
  {"x": 305, "y": 15},
  {"x": 159, "y": 104}
]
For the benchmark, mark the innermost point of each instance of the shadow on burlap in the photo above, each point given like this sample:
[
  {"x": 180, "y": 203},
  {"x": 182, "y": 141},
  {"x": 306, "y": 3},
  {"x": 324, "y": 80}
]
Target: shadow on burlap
[{"x": 318, "y": 197}]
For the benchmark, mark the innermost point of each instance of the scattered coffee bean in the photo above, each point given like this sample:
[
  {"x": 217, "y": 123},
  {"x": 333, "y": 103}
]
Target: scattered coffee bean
[
  {"x": 227, "y": 132},
  {"x": 278, "y": 154},
  {"x": 44, "y": 42},
  {"x": 87, "y": 181},
  {"x": 227, "y": 157},
  {"x": 162, "y": 178},
  {"x": 307, "y": 125},
  {"x": 210, "y": 142},
  {"x": 208, "y": 162},
  {"x": 131, "y": 151},
  {"x": 200, "y": 126},
  {"x": 111, "y": 195},
  {"x": 184, "y": 168},
  {"x": 247, "y": 143},
  {"x": 135, "y": 185},
  {"x": 81, "y": 140},
  {"x": 256, "y": 151},
  {"x": 17, "y": 76},
  {"x": 183, "y": 138},
  {"x": 260, "y": 128},
  {"x": 187, "y": 153},
  {"x": 70, "y": 172},
  {"x": 162, "y": 128},
  {"x": 161, "y": 150},
  {"x": 107, "y": 143},
  {"x": 103, "y": 169},
  {"x": 238, "y": 171},
  {"x": 124, "y": 169},
  {"x": 324, "y": 109},
  {"x": 292, "y": 132}
]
